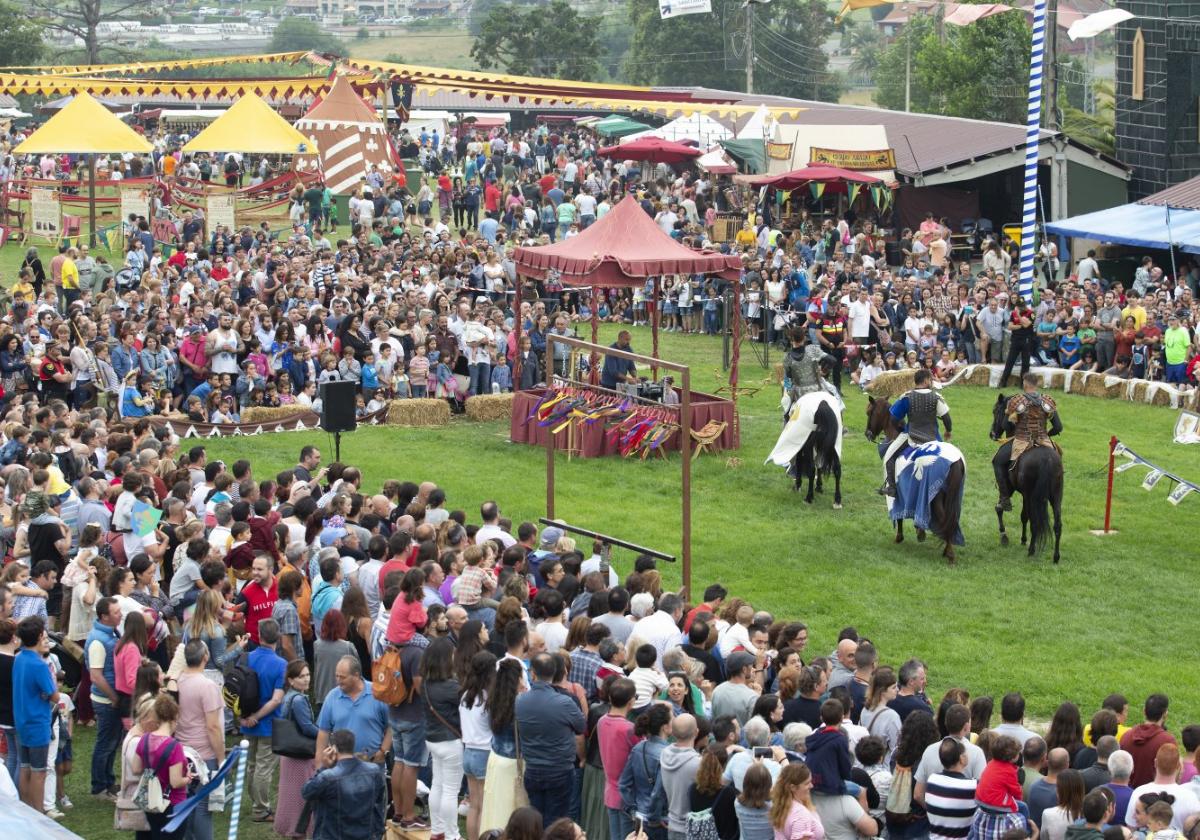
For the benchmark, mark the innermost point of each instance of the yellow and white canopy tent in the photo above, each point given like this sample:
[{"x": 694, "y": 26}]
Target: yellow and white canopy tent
[
  {"x": 84, "y": 127},
  {"x": 251, "y": 126}
]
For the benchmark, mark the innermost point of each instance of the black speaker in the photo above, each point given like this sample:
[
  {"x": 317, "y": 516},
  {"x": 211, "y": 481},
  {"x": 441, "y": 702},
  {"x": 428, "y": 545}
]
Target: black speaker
[{"x": 337, "y": 407}]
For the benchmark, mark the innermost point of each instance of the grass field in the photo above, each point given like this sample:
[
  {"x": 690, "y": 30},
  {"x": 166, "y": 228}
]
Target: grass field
[{"x": 441, "y": 48}]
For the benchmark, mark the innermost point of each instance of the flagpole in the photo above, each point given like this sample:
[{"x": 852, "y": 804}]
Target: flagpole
[
  {"x": 1033, "y": 124},
  {"x": 235, "y": 814}
]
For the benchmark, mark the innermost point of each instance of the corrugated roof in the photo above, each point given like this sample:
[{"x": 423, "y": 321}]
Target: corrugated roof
[
  {"x": 923, "y": 143},
  {"x": 1185, "y": 196}
]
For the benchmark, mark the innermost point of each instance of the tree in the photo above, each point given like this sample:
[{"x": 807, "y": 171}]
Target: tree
[
  {"x": 688, "y": 49},
  {"x": 82, "y": 18},
  {"x": 788, "y": 55},
  {"x": 20, "y": 37},
  {"x": 1096, "y": 129},
  {"x": 978, "y": 71},
  {"x": 294, "y": 34},
  {"x": 554, "y": 41}
]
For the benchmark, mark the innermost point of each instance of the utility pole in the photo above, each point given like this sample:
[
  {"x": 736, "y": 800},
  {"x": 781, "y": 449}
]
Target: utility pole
[
  {"x": 1059, "y": 188},
  {"x": 749, "y": 6}
]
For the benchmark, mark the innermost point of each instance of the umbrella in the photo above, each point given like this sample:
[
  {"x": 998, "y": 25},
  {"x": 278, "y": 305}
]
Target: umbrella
[{"x": 652, "y": 149}]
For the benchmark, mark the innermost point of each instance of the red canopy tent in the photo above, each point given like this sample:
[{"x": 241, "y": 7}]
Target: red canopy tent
[
  {"x": 653, "y": 150},
  {"x": 815, "y": 173},
  {"x": 623, "y": 249}
]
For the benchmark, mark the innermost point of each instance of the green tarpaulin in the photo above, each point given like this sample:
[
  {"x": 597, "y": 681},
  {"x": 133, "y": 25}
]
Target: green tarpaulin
[
  {"x": 618, "y": 126},
  {"x": 751, "y": 154}
]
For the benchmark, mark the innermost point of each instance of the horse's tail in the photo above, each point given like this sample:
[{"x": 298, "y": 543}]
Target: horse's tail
[
  {"x": 824, "y": 437},
  {"x": 1036, "y": 503},
  {"x": 952, "y": 493}
]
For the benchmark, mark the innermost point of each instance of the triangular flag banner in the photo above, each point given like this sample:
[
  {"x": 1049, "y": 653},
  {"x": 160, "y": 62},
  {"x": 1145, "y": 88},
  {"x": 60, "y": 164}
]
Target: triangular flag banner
[
  {"x": 1152, "y": 479},
  {"x": 818, "y": 189},
  {"x": 1180, "y": 493},
  {"x": 1128, "y": 465},
  {"x": 853, "y": 189}
]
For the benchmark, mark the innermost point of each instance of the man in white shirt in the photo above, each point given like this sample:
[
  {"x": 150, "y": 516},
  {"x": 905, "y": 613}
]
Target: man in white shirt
[
  {"x": 662, "y": 628},
  {"x": 1166, "y": 770},
  {"x": 1088, "y": 267},
  {"x": 489, "y": 512},
  {"x": 958, "y": 724},
  {"x": 860, "y": 318}
]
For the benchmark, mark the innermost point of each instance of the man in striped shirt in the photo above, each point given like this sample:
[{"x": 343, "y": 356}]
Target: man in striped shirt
[{"x": 950, "y": 794}]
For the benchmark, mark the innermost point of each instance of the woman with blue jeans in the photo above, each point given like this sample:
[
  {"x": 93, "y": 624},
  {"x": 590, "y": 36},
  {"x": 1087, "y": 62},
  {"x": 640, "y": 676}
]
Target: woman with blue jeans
[
  {"x": 640, "y": 776},
  {"x": 476, "y": 731}
]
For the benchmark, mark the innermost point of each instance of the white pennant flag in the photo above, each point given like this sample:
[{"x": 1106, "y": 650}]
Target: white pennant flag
[
  {"x": 675, "y": 8},
  {"x": 1119, "y": 449},
  {"x": 1180, "y": 493},
  {"x": 1152, "y": 479},
  {"x": 1128, "y": 465}
]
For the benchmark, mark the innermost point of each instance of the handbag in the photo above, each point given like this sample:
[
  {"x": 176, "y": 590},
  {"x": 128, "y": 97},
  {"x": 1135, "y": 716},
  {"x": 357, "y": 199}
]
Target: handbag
[
  {"x": 899, "y": 806},
  {"x": 286, "y": 738},
  {"x": 520, "y": 795}
]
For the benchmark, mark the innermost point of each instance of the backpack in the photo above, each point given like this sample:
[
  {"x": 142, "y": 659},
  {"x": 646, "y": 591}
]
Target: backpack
[
  {"x": 241, "y": 688},
  {"x": 387, "y": 679},
  {"x": 149, "y": 794},
  {"x": 701, "y": 825}
]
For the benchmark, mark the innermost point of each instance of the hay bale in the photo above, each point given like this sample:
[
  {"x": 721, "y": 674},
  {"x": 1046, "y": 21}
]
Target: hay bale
[
  {"x": 981, "y": 376},
  {"x": 487, "y": 407},
  {"x": 1093, "y": 386},
  {"x": 1137, "y": 393},
  {"x": 263, "y": 414},
  {"x": 892, "y": 383},
  {"x": 418, "y": 412},
  {"x": 1161, "y": 396},
  {"x": 1055, "y": 381}
]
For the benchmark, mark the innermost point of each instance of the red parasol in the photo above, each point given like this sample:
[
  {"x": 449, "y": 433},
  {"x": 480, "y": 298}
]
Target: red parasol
[
  {"x": 814, "y": 173},
  {"x": 652, "y": 149}
]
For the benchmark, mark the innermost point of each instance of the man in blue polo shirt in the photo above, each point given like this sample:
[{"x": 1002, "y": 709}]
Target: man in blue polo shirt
[
  {"x": 547, "y": 723},
  {"x": 270, "y": 669},
  {"x": 35, "y": 694},
  {"x": 352, "y": 705}
]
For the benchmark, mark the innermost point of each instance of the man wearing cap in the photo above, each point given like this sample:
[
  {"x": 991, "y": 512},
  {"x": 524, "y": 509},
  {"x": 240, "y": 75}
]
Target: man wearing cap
[
  {"x": 738, "y": 694},
  {"x": 543, "y": 553}
]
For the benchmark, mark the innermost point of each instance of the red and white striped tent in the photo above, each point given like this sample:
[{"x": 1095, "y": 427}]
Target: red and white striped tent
[{"x": 350, "y": 136}]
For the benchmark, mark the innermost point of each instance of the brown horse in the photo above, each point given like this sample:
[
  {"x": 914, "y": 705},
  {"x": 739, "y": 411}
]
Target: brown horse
[{"x": 946, "y": 507}]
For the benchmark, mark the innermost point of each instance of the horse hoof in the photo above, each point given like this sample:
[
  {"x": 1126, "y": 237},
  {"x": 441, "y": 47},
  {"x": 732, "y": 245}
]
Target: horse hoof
[
  {"x": 899, "y": 538},
  {"x": 1056, "y": 558},
  {"x": 808, "y": 500},
  {"x": 1004, "y": 539},
  {"x": 920, "y": 536},
  {"x": 838, "y": 506}
]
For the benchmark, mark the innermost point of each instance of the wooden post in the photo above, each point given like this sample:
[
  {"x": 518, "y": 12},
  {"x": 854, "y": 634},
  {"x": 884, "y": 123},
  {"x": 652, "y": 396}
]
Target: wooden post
[
  {"x": 91, "y": 159},
  {"x": 594, "y": 358},
  {"x": 517, "y": 331},
  {"x": 685, "y": 452},
  {"x": 654, "y": 326}
]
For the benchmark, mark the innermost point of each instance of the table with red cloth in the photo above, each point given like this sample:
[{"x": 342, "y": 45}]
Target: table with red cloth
[{"x": 590, "y": 440}]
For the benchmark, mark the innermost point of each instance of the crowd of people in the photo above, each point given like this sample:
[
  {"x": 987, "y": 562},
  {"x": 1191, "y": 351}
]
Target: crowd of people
[
  {"x": 385, "y": 654},
  {"x": 382, "y": 652}
]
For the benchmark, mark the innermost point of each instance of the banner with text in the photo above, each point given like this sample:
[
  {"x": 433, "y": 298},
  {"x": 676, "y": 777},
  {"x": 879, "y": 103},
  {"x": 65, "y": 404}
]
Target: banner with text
[
  {"x": 45, "y": 213},
  {"x": 221, "y": 209},
  {"x": 868, "y": 160},
  {"x": 675, "y": 8}
]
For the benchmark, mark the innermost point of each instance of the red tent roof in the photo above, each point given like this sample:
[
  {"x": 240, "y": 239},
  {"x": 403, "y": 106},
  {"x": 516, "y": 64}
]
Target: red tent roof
[
  {"x": 814, "y": 172},
  {"x": 653, "y": 149},
  {"x": 622, "y": 249}
]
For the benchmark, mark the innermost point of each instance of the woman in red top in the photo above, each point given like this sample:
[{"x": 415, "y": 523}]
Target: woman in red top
[{"x": 160, "y": 750}]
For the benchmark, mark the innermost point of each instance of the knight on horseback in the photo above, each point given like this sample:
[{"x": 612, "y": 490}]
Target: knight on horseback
[
  {"x": 802, "y": 370},
  {"x": 922, "y": 407},
  {"x": 1029, "y": 412}
]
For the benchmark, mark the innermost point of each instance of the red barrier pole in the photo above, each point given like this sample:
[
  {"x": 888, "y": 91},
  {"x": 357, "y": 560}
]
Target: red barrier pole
[{"x": 1112, "y": 448}]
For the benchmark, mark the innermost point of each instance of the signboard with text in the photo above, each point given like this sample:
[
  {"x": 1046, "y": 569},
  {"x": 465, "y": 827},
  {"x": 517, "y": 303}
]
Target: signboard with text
[
  {"x": 869, "y": 160},
  {"x": 45, "y": 213}
]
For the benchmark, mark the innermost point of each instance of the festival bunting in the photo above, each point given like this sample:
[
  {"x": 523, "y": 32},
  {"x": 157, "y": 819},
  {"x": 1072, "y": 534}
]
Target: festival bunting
[
  {"x": 817, "y": 188},
  {"x": 1182, "y": 487}
]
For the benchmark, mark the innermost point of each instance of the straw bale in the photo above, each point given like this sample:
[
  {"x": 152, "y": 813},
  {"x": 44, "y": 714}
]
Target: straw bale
[
  {"x": 892, "y": 383},
  {"x": 418, "y": 412},
  {"x": 265, "y": 413},
  {"x": 487, "y": 407}
]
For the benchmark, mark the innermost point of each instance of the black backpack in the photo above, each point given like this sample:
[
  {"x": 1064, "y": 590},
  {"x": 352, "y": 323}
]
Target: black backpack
[{"x": 241, "y": 688}]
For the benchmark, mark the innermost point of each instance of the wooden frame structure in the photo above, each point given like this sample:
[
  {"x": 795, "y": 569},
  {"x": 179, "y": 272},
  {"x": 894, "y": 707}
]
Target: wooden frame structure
[{"x": 685, "y": 437}]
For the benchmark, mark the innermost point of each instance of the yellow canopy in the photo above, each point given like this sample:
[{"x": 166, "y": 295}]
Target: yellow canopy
[
  {"x": 84, "y": 126},
  {"x": 849, "y": 6},
  {"x": 253, "y": 127}
]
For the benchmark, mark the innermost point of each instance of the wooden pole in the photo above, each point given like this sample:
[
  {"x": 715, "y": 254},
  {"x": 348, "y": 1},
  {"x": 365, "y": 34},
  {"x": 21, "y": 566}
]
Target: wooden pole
[
  {"x": 654, "y": 327},
  {"x": 594, "y": 359},
  {"x": 92, "y": 200},
  {"x": 735, "y": 354},
  {"x": 685, "y": 452},
  {"x": 517, "y": 330}
]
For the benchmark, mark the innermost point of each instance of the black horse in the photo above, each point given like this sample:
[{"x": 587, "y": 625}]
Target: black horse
[
  {"x": 1038, "y": 478},
  {"x": 819, "y": 455},
  {"x": 946, "y": 507}
]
